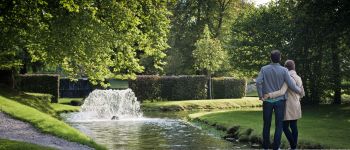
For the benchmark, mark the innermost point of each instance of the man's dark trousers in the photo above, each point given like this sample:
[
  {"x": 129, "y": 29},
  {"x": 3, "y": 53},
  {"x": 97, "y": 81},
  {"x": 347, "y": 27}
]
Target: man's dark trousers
[{"x": 278, "y": 107}]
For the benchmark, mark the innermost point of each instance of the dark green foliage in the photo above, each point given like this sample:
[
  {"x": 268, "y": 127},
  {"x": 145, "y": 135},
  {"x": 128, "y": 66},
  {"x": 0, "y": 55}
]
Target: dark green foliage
[
  {"x": 187, "y": 24},
  {"x": 189, "y": 87},
  {"x": 39, "y": 83},
  {"x": 167, "y": 87},
  {"x": 146, "y": 87},
  {"x": 227, "y": 87},
  {"x": 315, "y": 34},
  {"x": 149, "y": 87},
  {"x": 75, "y": 103}
]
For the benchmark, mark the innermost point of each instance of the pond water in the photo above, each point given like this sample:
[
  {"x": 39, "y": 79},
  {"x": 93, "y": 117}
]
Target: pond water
[{"x": 153, "y": 131}]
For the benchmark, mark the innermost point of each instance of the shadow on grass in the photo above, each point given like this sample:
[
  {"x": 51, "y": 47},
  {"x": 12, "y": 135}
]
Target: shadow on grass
[{"x": 38, "y": 101}]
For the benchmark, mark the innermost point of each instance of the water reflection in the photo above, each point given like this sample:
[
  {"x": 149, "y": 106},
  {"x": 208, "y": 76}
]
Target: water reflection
[{"x": 151, "y": 133}]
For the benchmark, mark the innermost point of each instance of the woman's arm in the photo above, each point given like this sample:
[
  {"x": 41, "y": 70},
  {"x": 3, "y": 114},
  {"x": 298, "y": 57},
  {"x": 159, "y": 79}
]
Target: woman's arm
[
  {"x": 280, "y": 92},
  {"x": 300, "y": 84}
]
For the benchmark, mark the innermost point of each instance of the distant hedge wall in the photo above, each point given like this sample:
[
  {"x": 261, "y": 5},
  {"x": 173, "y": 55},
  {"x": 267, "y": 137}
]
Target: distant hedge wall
[
  {"x": 146, "y": 87},
  {"x": 39, "y": 83},
  {"x": 228, "y": 87},
  {"x": 153, "y": 87}
]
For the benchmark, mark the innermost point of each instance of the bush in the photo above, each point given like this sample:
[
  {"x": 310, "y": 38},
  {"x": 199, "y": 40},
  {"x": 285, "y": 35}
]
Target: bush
[
  {"x": 151, "y": 87},
  {"x": 227, "y": 87},
  {"x": 146, "y": 87},
  {"x": 75, "y": 103},
  {"x": 39, "y": 83},
  {"x": 167, "y": 87},
  {"x": 189, "y": 88}
]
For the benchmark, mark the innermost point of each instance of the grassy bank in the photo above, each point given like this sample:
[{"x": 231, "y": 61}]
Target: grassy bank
[
  {"x": 246, "y": 102},
  {"x": 63, "y": 108},
  {"x": 45, "y": 122},
  {"x": 10, "y": 144},
  {"x": 322, "y": 126}
]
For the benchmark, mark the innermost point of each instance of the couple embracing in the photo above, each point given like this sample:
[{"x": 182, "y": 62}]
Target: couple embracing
[{"x": 280, "y": 89}]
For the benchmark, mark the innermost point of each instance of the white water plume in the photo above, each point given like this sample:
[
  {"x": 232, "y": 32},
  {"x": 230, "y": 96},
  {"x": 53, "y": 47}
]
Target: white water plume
[{"x": 109, "y": 104}]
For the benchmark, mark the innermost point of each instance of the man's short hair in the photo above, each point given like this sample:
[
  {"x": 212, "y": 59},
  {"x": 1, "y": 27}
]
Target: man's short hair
[
  {"x": 290, "y": 65},
  {"x": 275, "y": 56}
]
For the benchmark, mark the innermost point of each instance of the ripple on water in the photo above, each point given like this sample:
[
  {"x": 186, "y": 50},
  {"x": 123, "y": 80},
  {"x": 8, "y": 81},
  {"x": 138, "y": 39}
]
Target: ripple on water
[{"x": 150, "y": 133}]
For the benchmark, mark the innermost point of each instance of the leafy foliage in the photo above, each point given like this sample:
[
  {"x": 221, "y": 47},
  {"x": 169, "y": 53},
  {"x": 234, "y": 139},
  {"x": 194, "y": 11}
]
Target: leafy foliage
[
  {"x": 37, "y": 83},
  {"x": 312, "y": 33},
  {"x": 226, "y": 87},
  {"x": 208, "y": 54},
  {"x": 152, "y": 87},
  {"x": 188, "y": 22},
  {"x": 97, "y": 39}
]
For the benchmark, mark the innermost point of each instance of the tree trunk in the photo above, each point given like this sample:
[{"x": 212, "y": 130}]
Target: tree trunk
[
  {"x": 336, "y": 76},
  {"x": 210, "y": 86}
]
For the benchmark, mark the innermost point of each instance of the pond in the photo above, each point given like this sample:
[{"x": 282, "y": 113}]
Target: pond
[
  {"x": 153, "y": 131},
  {"x": 105, "y": 117}
]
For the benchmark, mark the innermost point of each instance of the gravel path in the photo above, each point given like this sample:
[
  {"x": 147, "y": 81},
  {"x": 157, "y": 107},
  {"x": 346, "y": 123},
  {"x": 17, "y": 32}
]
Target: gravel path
[{"x": 21, "y": 131}]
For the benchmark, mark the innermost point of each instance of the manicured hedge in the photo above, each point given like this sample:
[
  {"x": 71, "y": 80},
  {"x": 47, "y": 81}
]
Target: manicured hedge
[
  {"x": 228, "y": 87},
  {"x": 39, "y": 83},
  {"x": 189, "y": 88},
  {"x": 151, "y": 87},
  {"x": 146, "y": 87}
]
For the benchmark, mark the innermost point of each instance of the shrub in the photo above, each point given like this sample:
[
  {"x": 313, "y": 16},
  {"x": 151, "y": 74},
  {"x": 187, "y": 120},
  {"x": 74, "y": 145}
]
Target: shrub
[
  {"x": 189, "y": 87},
  {"x": 228, "y": 87},
  {"x": 75, "y": 103},
  {"x": 151, "y": 87},
  {"x": 167, "y": 87},
  {"x": 146, "y": 87},
  {"x": 39, "y": 83}
]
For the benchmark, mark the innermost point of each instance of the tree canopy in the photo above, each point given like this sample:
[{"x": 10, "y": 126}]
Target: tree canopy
[
  {"x": 313, "y": 33},
  {"x": 208, "y": 55},
  {"x": 94, "y": 38}
]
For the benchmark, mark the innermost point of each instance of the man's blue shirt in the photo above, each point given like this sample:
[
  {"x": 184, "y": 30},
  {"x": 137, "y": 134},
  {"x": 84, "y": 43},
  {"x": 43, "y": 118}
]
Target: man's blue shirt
[{"x": 271, "y": 79}]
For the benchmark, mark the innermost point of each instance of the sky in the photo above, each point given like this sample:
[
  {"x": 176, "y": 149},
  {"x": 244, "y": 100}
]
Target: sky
[{"x": 259, "y": 2}]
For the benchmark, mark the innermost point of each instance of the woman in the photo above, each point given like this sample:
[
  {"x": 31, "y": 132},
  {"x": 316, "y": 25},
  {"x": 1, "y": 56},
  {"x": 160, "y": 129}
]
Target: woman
[{"x": 293, "y": 107}]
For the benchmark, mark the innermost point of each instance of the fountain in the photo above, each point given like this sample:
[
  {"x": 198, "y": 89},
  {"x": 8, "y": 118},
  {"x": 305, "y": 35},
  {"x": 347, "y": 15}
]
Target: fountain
[
  {"x": 109, "y": 105},
  {"x": 113, "y": 118}
]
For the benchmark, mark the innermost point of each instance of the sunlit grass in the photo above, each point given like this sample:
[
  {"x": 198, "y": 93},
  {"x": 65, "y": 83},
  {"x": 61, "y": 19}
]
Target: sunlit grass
[
  {"x": 246, "y": 102},
  {"x": 45, "y": 122},
  {"x": 321, "y": 124}
]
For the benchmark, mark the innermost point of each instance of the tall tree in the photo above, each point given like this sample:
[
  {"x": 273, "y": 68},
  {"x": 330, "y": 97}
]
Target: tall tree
[
  {"x": 188, "y": 21},
  {"x": 312, "y": 33},
  {"x": 94, "y": 38},
  {"x": 208, "y": 55}
]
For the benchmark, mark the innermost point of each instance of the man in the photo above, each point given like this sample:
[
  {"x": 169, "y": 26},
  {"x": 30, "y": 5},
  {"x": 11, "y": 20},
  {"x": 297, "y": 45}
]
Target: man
[{"x": 270, "y": 79}]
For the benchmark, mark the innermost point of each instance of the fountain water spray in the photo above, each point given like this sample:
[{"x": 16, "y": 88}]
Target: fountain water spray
[{"x": 109, "y": 104}]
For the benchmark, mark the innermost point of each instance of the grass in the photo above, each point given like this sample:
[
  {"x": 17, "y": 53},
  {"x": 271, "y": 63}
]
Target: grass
[
  {"x": 10, "y": 144},
  {"x": 43, "y": 121},
  {"x": 68, "y": 100},
  {"x": 62, "y": 108},
  {"x": 252, "y": 94},
  {"x": 245, "y": 102},
  {"x": 326, "y": 124}
]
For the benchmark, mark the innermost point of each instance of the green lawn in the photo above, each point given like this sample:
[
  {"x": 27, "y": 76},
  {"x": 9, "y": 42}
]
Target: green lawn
[
  {"x": 63, "y": 108},
  {"x": 246, "y": 102},
  {"x": 68, "y": 100},
  {"x": 43, "y": 121},
  {"x": 326, "y": 124},
  {"x": 252, "y": 94},
  {"x": 10, "y": 144}
]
